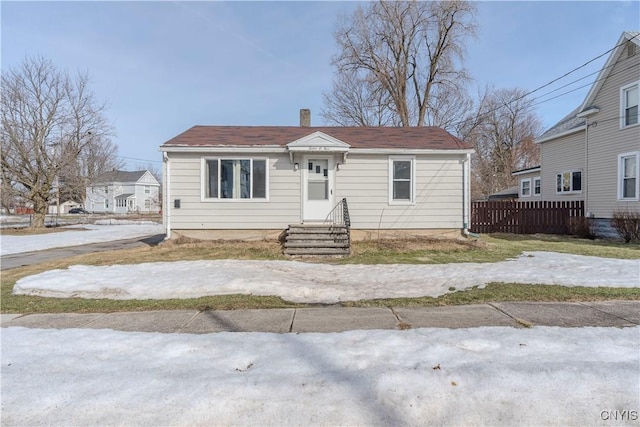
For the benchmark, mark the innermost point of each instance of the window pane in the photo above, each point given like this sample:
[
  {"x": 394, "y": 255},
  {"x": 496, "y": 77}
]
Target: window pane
[
  {"x": 577, "y": 181},
  {"x": 226, "y": 179},
  {"x": 245, "y": 178},
  {"x": 629, "y": 167},
  {"x": 212, "y": 178},
  {"x": 558, "y": 183},
  {"x": 401, "y": 190},
  {"x": 536, "y": 186},
  {"x": 526, "y": 188},
  {"x": 402, "y": 169},
  {"x": 566, "y": 181},
  {"x": 631, "y": 116},
  {"x": 629, "y": 188},
  {"x": 259, "y": 179},
  {"x": 318, "y": 190},
  {"x": 632, "y": 98}
]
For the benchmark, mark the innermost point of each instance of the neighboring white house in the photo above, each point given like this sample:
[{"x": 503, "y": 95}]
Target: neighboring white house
[
  {"x": 593, "y": 154},
  {"x": 256, "y": 181},
  {"x": 529, "y": 183},
  {"x": 124, "y": 192}
]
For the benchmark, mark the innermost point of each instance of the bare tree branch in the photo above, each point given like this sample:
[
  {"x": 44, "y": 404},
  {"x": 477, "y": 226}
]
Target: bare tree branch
[
  {"x": 401, "y": 57},
  {"x": 49, "y": 120}
]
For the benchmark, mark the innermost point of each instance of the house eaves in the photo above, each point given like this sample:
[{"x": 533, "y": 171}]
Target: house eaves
[{"x": 627, "y": 36}]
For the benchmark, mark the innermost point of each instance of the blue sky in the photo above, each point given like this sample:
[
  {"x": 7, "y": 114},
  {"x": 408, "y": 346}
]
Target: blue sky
[{"x": 163, "y": 67}]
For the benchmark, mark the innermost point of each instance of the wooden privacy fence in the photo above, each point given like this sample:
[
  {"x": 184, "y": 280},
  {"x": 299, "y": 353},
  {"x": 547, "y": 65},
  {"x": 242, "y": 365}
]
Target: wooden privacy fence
[{"x": 524, "y": 217}]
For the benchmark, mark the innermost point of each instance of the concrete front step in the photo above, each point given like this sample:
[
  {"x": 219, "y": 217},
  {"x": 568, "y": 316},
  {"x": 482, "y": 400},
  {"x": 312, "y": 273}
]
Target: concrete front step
[
  {"x": 317, "y": 244},
  {"x": 316, "y": 251},
  {"x": 333, "y": 236},
  {"x": 317, "y": 240},
  {"x": 316, "y": 230}
]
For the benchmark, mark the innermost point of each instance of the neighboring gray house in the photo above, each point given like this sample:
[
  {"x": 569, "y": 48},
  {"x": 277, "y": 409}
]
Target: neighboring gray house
[
  {"x": 124, "y": 192},
  {"x": 593, "y": 154},
  {"x": 253, "y": 182}
]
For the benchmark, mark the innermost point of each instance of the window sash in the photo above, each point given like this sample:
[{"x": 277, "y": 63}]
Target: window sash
[
  {"x": 537, "y": 186},
  {"x": 402, "y": 180},
  {"x": 235, "y": 178},
  {"x": 630, "y": 105},
  {"x": 629, "y": 177},
  {"x": 525, "y": 187}
]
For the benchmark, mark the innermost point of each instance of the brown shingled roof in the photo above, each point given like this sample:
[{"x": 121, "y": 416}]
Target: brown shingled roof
[{"x": 427, "y": 137}]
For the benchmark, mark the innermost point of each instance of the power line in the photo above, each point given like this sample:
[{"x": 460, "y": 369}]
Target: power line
[{"x": 553, "y": 81}]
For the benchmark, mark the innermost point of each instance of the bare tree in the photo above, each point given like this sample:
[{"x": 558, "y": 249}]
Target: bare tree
[
  {"x": 48, "y": 121},
  {"x": 400, "y": 58},
  {"x": 502, "y": 131}
]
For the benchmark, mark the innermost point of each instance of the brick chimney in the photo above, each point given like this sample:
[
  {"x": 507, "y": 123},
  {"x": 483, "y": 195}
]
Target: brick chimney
[{"x": 305, "y": 117}]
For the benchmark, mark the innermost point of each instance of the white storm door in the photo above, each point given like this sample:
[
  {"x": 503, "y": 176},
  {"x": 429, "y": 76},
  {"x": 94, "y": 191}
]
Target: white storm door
[{"x": 318, "y": 182}]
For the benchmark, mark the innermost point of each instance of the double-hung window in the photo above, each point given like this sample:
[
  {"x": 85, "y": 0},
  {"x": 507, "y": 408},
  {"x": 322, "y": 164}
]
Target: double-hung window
[
  {"x": 629, "y": 105},
  {"x": 226, "y": 178},
  {"x": 629, "y": 176},
  {"x": 569, "y": 182},
  {"x": 401, "y": 180},
  {"x": 525, "y": 187}
]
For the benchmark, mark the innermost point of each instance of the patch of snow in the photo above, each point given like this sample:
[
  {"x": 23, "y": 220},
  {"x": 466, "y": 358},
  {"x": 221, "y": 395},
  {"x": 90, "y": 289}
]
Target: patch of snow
[
  {"x": 480, "y": 376},
  {"x": 321, "y": 283},
  {"x": 87, "y": 233}
]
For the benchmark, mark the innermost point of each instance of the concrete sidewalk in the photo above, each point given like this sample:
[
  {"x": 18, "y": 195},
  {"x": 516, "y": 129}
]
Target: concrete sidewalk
[{"x": 339, "y": 319}]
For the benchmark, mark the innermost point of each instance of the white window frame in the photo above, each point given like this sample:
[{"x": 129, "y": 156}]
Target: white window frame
[
  {"x": 537, "y": 185},
  {"x": 621, "y": 158},
  {"x": 412, "y": 186},
  {"x": 522, "y": 182},
  {"x": 204, "y": 180},
  {"x": 147, "y": 189},
  {"x": 106, "y": 203},
  {"x": 623, "y": 104},
  {"x": 572, "y": 191}
]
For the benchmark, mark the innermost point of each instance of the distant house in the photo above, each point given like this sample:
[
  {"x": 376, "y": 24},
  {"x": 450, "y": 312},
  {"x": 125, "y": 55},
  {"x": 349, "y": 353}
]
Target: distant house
[
  {"x": 245, "y": 181},
  {"x": 124, "y": 192},
  {"x": 593, "y": 154}
]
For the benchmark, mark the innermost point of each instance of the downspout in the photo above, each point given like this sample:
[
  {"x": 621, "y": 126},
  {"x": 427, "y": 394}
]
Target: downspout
[
  {"x": 585, "y": 185},
  {"x": 466, "y": 198},
  {"x": 167, "y": 192}
]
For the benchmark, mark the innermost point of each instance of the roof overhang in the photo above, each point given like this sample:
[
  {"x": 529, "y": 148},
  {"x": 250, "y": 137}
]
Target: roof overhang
[
  {"x": 588, "y": 112},
  {"x": 561, "y": 134},
  {"x": 525, "y": 171}
]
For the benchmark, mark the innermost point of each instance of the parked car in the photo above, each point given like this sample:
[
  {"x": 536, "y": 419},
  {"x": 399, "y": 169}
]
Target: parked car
[{"x": 77, "y": 211}]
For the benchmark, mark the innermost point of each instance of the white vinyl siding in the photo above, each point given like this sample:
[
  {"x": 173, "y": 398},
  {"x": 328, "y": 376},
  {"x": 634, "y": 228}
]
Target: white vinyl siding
[
  {"x": 196, "y": 213},
  {"x": 629, "y": 105},
  {"x": 628, "y": 176},
  {"x": 363, "y": 180}
]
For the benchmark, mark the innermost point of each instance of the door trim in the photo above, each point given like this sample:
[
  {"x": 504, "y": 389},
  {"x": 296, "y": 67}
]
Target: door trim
[{"x": 331, "y": 175}]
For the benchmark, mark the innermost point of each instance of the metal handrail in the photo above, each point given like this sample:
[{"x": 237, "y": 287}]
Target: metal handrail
[{"x": 339, "y": 215}]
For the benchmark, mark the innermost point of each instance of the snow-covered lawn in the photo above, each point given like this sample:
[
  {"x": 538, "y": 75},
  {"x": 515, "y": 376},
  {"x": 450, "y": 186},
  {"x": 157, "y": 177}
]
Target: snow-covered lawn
[
  {"x": 321, "y": 283},
  {"x": 481, "y": 376},
  {"x": 101, "y": 231}
]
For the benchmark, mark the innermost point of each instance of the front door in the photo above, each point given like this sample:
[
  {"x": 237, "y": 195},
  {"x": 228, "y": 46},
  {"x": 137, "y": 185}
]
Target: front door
[{"x": 318, "y": 182}]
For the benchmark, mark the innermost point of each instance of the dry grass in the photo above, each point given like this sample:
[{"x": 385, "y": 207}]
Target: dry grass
[
  {"x": 34, "y": 231},
  {"x": 418, "y": 250}
]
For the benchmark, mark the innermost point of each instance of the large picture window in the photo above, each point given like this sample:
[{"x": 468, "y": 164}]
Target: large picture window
[
  {"x": 235, "y": 179},
  {"x": 629, "y": 105},
  {"x": 628, "y": 176},
  {"x": 401, "y": 180},
  {"x": 569, "y": 182}
]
